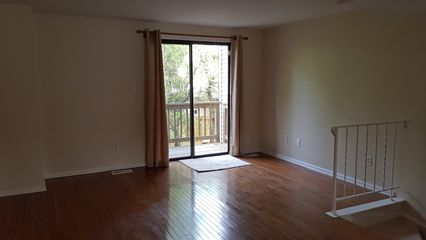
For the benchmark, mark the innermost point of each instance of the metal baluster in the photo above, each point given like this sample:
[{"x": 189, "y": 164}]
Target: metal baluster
[
  {"x": 356, "y": 159},
  {"x": 393, "y": 160},
  {"x": 346, "y": 158},
  {"x": 335, "y": 133},
  {"x": 365, "y": 159},
  {"x": 384, "y": 156},
  {"x": 375, "y": 157}
]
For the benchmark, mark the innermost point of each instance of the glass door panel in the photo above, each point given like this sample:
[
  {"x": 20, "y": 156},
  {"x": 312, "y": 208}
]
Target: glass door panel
[
  {"x": 211, "y": 95},
  {"x": 176, "y": 63}
]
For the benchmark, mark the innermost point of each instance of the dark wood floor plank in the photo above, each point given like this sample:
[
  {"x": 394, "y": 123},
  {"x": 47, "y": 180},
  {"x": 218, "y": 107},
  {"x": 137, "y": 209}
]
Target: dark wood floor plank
[{"x": 269, "y": 199}]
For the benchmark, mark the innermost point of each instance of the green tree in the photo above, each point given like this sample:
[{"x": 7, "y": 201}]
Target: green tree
[
  {"x": 205, "y": 68},
  {"x": 176, "y": 72},
  {"x": 176, "y": 78}
]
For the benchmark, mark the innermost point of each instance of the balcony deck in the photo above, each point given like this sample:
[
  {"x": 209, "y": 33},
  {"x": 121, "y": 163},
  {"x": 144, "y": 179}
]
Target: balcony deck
[{"x": 200, "y": 149}]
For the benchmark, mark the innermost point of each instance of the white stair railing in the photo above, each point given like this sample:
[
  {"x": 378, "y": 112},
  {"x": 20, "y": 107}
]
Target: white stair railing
[{"x": 367, "y": 167}]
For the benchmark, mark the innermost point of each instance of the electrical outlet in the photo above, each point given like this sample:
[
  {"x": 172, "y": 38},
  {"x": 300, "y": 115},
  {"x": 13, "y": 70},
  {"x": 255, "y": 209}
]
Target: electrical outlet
[
  {"x": 369, "y": 161},
  {"x": 299, "y": 142},
  {"x": 285, "y": 139},
  {"x": 115, "y": 147}
]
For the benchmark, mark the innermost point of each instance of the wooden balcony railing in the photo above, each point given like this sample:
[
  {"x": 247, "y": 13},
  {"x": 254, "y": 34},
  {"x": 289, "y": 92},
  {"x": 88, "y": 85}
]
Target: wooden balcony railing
[{"x": 208, "y": 118}]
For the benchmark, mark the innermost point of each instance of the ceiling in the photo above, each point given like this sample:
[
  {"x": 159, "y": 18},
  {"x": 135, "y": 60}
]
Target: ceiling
[{"x": 223, "y": 13}]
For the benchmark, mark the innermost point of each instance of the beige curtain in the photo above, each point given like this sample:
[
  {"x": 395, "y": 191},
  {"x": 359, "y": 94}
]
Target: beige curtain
[
  {"x": 156, "y": 139},
  {"x": 237, "y": 96}
]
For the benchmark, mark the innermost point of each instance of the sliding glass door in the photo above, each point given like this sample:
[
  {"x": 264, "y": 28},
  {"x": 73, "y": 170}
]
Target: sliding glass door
[{"x": 196, "y": 77}]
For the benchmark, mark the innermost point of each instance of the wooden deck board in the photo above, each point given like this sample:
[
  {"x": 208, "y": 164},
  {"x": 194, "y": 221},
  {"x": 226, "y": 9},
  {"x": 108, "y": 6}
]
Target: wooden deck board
[{"x": 200, "y": 149}]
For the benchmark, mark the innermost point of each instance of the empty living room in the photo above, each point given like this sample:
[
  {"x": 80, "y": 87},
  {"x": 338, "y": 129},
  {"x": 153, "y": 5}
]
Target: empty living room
[{"x": 274, "y": 119}]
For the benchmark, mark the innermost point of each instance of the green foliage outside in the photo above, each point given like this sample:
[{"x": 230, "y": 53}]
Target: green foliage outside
[{"x": 176, "y": 73}]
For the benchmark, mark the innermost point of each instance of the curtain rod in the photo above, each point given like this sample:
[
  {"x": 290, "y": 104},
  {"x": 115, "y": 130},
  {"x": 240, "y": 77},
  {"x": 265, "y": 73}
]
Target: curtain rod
[{"x": 192, "y": 35}]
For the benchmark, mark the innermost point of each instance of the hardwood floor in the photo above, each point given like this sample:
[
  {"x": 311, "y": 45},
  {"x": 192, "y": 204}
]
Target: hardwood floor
[{"x": 270, "y": 199}]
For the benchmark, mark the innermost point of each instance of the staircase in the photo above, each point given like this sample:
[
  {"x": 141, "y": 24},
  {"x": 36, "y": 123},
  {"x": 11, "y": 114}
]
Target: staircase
[{"x": 364, "y": 185}]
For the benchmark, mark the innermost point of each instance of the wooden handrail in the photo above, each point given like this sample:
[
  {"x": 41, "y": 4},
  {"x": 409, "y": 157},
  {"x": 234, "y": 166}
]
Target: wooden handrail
[{"x": 187, "y": 105}]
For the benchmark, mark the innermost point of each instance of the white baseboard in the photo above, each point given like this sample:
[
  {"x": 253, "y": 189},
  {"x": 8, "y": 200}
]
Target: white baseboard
[
  {"x": 309, "y": 166},
  {"x": 21, "y": 191},
  {"x": 324, "y": 171},
  {"x": 92, "y": 170}
]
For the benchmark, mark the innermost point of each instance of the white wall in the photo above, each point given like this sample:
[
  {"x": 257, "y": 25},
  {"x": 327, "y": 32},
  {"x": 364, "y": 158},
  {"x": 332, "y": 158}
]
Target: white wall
[
  {"x": 348, "y": 68},
  {"x": 72, "y": 87},
  {"x": 20, "y": 135},
  {"x": 92, "y": 74}
]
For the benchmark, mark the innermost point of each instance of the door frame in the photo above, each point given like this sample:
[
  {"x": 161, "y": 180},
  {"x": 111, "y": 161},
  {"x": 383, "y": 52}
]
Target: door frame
[{"x": 190, "y": 44}]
